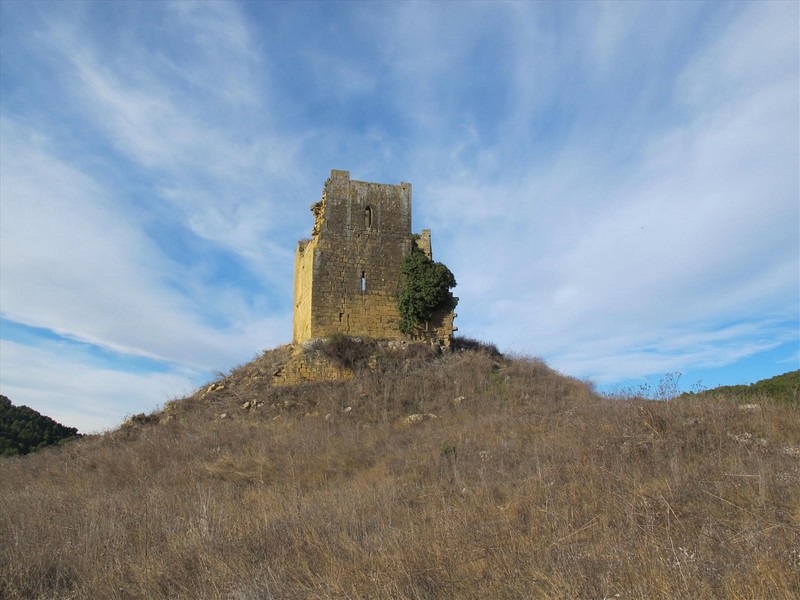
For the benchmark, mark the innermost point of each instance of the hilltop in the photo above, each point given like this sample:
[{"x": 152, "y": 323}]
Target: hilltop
[{"x": 418, "y": 475}]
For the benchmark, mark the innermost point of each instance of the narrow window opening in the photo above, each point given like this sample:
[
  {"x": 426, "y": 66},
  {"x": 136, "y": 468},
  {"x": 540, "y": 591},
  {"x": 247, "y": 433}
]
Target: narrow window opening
[
  {"x": 363, "y": 281},
  {"x": 368, "y": 217}
]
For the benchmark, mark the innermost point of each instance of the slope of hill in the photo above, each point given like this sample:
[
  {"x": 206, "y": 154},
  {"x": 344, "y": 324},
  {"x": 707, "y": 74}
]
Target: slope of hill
[
  {"x": 781, "y": 388},
  {"x": 24, "y": 430},
  {"x": 462, "y": 475}
]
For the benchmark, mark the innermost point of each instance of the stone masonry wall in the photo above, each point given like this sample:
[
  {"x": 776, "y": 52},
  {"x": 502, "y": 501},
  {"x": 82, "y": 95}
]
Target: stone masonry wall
[
  {"x": 306, "y": 366},
  {"x": 348, "y": 275}
]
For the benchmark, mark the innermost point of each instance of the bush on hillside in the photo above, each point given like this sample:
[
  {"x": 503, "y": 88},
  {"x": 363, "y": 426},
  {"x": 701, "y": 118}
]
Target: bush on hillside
[
  {"x": 347, "y": 352},
  {"x": 461, "y": 344}
]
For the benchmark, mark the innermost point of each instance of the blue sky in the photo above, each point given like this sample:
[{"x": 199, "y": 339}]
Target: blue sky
[{"x": 614, "y": 185}]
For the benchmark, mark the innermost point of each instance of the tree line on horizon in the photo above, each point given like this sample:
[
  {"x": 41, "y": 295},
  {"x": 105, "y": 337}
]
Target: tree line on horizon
[
  {"x": 781, "y": 388},
  {"x": 24, "y": 430}
]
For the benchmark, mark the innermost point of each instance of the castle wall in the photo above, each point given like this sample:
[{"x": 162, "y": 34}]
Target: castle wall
[
  {"x": 348, "y": 276},
  {"x": 303, "y": 278},
  {"x": 363, "y": 237},
  {"x": 439, "y": 329},
  {"x": 424, "y": 243}
]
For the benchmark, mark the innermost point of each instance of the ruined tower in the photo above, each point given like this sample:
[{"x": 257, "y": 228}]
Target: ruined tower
[{"x": 348, "y": 275}]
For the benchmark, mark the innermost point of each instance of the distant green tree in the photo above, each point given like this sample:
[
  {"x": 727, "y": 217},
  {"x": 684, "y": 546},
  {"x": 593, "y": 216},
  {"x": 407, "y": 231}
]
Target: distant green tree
[
  {"x": 426, "y": 290},
  {"x": 23, "y": 430}
]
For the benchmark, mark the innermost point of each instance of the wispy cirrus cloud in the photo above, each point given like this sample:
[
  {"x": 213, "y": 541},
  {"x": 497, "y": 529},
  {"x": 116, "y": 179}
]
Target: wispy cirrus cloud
[
  {"x": 73, "y": 263},
  {"x": 142, "y": 250},
  {"x": 672, "y": 230},
  {"x": 614, "y": 186},
  {"x": 69, "y": 387}
]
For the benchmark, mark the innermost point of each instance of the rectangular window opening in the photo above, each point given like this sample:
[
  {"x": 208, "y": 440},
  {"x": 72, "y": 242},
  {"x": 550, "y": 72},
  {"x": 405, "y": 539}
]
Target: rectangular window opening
[{"x": 363, "y": 281}]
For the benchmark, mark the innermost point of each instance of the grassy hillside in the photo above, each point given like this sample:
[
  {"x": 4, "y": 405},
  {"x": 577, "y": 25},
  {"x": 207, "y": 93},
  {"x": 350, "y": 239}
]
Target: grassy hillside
[
  {"x": 24, "y": 430},
  {"x": 464, "y": 475},
  {"x": 781, "y": 388}
]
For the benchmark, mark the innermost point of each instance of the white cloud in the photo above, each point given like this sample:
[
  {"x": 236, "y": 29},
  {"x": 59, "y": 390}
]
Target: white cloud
[
  {"x": 198, "y": 127},
  {"x": 693, "y": 346},
  {"x": 218, "y": 53},
  {"x": 757, "y": 49},
  {"x": 74, "y": 263},
  {"x": 698, "y": 227},
  {"x": 55, "y": 381}
]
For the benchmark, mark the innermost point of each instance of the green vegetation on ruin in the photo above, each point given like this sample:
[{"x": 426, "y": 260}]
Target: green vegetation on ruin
[{"x": 426, "y": 290}]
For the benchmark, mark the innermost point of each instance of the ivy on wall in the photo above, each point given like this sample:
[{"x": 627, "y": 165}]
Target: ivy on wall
[{"x": 426, "y": 290}]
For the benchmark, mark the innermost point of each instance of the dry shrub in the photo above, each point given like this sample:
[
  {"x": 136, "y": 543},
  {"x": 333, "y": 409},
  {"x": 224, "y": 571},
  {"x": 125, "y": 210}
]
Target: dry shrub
[
  {"x": 461, "y": 344},
  {"x": 525, "y": 484},
  {"x": 346, "y": 352}
]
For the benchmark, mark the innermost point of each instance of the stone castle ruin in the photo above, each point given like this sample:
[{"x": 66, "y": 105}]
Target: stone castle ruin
[{"x": 348, "y": 275}]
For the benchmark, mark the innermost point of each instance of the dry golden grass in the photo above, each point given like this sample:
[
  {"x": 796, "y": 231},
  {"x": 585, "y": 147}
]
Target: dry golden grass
[{"x": 525, "y": 485}]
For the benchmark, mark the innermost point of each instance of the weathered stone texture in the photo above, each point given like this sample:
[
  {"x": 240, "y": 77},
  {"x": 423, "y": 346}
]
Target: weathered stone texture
[
  {"x": 306, "y": 365},
  {"x": 348, "y": 275},
  {"x": 424, "y": 242}
]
